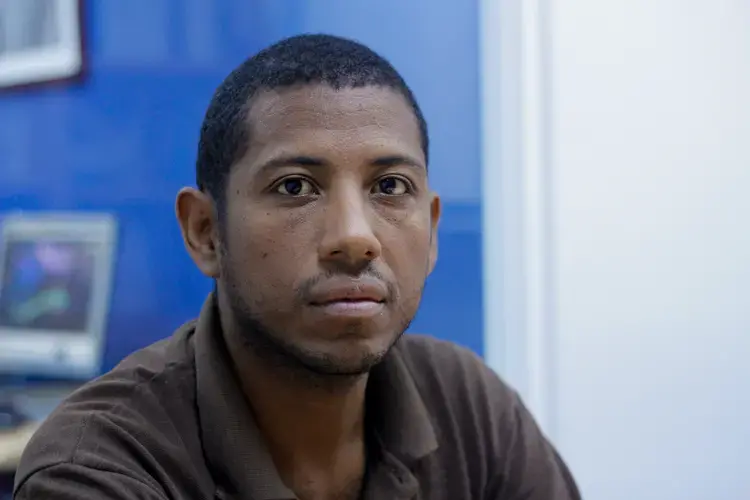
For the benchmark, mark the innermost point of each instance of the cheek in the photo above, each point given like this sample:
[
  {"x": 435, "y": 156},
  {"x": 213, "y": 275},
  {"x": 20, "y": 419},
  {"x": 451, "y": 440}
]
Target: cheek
[
  {"x": 406, "y": 244},
  {"x": 266, "y": 253}
]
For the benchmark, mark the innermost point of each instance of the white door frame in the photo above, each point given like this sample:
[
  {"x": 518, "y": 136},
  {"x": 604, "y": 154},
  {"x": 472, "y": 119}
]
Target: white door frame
[{"x": 517, "y": 199}]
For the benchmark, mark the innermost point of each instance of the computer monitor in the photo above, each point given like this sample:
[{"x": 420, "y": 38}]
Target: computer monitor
[{"x": 55, "y": 278}]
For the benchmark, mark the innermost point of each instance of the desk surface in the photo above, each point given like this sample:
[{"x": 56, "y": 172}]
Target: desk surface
[
  {"x": 12, "y": 444},
  {"x": 37, "y": 402}
]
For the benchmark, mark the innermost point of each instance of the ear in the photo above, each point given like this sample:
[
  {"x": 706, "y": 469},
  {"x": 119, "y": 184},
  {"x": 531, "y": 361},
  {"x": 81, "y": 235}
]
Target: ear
[
  {"x": 199, "y": 225},
  {"x": 435, "y": 211}
]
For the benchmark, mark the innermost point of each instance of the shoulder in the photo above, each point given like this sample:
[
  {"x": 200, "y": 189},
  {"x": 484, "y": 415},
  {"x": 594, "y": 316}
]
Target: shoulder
[
  {"x": 456, "y": 373},
  {"x": 482, "y": 421},
  {"x": 126, "y": 422},
  {"x": 474, "y": 412}
]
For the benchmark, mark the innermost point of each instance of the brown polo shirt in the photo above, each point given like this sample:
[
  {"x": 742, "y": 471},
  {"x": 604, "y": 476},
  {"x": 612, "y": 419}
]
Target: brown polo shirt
[{"x": 170, "y": 422}]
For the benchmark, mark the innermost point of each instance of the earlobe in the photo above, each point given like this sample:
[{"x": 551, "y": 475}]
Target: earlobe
[
  {"x": 196, "y": 217},
  {"x": 435, "y": 211}
]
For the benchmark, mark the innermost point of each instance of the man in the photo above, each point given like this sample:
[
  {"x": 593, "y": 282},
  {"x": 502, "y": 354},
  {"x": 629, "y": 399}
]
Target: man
[{"x": 315, "y": 219}]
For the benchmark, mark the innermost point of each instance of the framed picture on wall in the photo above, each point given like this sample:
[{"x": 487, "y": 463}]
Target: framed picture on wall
[{"x": 40, "y": 41}]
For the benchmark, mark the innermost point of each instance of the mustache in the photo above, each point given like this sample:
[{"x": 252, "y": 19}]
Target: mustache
[{"x": 304, "y": 292}]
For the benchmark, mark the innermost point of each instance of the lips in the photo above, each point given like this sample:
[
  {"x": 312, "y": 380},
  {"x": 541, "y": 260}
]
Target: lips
[{"x": 349, "y": 290}]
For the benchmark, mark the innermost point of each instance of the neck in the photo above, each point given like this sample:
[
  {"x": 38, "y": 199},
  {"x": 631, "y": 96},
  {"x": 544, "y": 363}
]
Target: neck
[
  {"x": 305, "y": 418},
  {"x": 315, "y": 415}
]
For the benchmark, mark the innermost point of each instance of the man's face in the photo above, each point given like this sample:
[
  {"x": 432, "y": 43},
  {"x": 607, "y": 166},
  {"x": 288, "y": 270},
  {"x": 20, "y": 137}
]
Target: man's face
[{"x": 329, "y": 229}]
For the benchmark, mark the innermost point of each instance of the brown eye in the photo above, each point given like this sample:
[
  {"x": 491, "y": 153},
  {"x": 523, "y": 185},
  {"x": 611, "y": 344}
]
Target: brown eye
[
  {"x": 391, "y": 186},
  {"x": 295, "y": 186}
]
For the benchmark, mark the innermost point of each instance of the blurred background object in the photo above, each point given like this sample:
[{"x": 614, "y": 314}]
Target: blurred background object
[
  {"x": 40, "y": 41},
  {"x": 594, "y": 162},
  {"x": 55, "y": 278}
]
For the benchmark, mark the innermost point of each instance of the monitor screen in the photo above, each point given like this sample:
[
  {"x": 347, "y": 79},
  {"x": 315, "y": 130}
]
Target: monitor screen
[
  {"x": 47, "y": 286},
  {"x": 54, "y": 286}
]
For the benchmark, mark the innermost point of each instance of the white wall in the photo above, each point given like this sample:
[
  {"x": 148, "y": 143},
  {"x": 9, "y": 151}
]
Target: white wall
[{"x": 644, "y": 318}]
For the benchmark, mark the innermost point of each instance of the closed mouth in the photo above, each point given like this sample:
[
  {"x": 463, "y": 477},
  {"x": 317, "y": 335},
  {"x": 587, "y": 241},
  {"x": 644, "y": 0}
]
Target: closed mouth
[
  {"x": 349, "y": 291},
  {"x": 349, "y": 300}
]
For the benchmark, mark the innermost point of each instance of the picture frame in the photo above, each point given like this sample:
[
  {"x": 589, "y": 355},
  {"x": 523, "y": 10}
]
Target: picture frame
[{"x": 41, "y": 41}]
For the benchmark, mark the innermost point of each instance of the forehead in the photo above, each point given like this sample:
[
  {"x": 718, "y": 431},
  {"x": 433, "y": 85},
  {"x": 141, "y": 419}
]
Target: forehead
[{"x": 333, "y": 120}]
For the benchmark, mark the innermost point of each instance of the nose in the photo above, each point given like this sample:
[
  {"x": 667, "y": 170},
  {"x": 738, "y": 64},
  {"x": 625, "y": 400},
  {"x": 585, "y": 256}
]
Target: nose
[{"x": 349, "y": 240}]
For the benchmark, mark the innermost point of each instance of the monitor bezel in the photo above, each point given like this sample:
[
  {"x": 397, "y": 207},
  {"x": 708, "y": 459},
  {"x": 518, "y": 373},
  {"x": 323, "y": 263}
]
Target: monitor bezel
[{"x": 97, "y": 229}]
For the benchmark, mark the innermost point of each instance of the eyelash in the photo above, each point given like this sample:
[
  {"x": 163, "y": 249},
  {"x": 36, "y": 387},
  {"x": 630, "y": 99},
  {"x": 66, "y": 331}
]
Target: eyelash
[
  {"x": 408, "y": 185},
  {"x": 301, "y": 178}
]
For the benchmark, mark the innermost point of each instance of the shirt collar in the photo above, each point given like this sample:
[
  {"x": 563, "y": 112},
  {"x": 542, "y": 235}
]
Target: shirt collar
[{"x": 234, "y": 447}]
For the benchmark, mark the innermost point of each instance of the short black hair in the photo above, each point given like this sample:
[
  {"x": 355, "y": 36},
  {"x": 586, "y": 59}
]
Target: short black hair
[{"x": 303, "y": 59}]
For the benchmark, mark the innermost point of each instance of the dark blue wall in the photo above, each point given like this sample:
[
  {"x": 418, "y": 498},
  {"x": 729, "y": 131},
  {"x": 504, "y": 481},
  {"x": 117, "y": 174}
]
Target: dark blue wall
[{"x": 124, "y": 139}]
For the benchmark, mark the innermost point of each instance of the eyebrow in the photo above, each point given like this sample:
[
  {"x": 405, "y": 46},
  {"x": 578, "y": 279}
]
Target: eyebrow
[
  {"x": 311, "y": 161},
  {"x": 395, "y": 160}
]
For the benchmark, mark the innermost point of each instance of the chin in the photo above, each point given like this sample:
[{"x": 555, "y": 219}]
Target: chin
[{"x": 344, "y": 358}]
